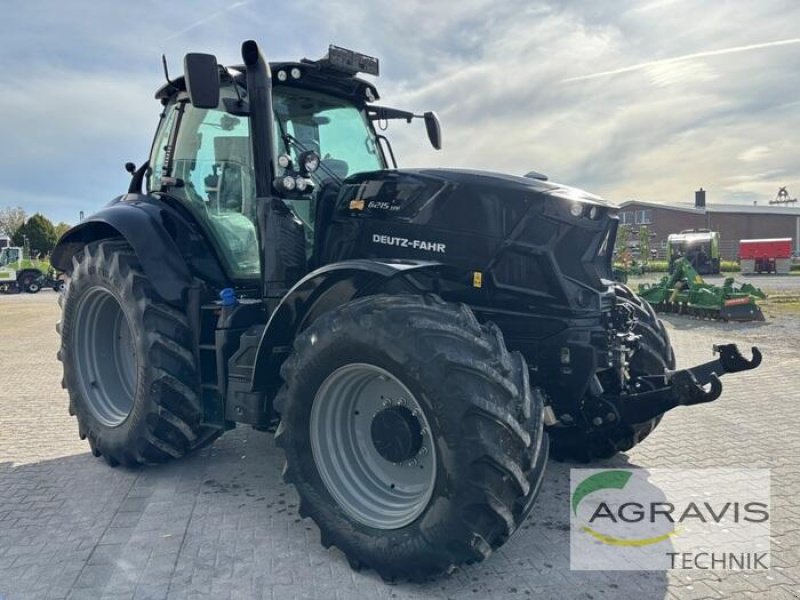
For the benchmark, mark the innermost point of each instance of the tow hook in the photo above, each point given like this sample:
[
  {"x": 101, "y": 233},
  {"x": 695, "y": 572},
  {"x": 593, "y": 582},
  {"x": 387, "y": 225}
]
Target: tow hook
[{"x": 683, "y": 387}]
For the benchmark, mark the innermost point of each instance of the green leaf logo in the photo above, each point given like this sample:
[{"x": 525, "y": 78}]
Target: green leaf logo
[{"x": 599, "y": 481}]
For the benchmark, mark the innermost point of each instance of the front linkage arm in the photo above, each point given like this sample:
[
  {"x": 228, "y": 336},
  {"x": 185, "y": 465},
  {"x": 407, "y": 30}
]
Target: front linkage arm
[{"x": 683, "y": 387}]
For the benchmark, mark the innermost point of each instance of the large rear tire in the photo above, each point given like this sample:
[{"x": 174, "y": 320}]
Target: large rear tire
[
  {"x": 128, "y": 361},
  {"x": 652, "y": 357},
  {"x": 411, "y": 434}
]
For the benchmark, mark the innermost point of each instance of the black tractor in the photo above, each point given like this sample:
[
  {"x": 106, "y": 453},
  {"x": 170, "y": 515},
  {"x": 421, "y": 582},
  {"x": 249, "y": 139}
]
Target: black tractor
[{"x": 417, "y": 339}]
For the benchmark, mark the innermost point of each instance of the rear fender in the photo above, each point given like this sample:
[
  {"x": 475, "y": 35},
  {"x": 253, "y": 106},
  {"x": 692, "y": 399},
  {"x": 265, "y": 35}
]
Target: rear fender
[
  {"x": 141, "y": 223},
  {"x": 321, "y": 291}
]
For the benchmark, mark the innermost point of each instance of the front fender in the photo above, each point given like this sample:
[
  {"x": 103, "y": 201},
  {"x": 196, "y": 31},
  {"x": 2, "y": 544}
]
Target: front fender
[
  {"x": 319, "y": 292},
  {"x": 141, "y": 224}
]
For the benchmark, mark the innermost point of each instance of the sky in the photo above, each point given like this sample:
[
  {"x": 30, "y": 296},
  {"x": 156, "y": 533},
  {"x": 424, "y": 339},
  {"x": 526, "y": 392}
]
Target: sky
[{"x": 629, "y": 100}]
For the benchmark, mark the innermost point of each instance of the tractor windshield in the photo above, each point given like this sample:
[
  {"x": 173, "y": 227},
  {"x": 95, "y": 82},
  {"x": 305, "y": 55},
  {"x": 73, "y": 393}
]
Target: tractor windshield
[{"x": 334, "y": 128}]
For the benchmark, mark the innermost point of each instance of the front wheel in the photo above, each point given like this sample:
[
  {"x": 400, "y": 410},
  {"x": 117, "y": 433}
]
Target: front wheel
[{"x": 411, "y": 434}]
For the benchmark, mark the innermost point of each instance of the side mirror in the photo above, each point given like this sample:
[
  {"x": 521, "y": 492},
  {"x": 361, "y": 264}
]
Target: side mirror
[
  {"x": 202, "y": 79},
  {"x": 434, "y": 129}
]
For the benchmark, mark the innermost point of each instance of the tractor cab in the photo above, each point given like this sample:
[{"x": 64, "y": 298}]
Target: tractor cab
[
  {"x": 321, "y": 131},
  {"x": 700, "y": 247}
]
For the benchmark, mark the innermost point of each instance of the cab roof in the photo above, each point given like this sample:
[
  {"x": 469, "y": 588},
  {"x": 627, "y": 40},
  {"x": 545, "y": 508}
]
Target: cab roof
[{"x": 314, "y": 75}]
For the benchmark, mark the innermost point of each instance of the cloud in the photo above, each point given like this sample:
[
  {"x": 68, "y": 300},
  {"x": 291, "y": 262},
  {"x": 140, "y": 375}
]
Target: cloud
[
  {"x": 684, "y": 58},
  {"x": 215, "y": 16},
  {"x": 625, "y": 99}
]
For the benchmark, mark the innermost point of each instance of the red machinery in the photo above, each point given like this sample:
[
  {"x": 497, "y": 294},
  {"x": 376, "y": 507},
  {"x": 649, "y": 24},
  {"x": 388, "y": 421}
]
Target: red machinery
[{"x": 766, "y": 256}]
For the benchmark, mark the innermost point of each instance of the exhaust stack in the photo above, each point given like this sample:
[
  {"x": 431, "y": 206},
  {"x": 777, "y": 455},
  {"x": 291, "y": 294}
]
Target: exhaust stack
[{"x": 259, "y": 91}]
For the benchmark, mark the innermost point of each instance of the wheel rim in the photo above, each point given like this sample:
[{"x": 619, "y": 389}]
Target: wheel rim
[
  {"x": 105, "y": 357},
  {"x": 362, "y": 420}
]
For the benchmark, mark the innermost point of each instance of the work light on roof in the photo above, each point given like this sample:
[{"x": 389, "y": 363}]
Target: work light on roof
[{"x": 296, "y": 73}]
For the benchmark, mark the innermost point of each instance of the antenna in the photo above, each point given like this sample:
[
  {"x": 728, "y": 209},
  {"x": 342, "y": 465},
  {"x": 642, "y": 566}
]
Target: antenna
[{"x": 166, "y": 69}]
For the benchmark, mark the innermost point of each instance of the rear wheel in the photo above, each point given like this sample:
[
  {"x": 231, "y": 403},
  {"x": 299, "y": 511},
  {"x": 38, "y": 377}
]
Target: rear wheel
[
  {"x": 652, "y": 357},
  {"x": 128, "y": 361},
  {"x": 411, "y": 434},
  {"x": 29, "y": 282}
]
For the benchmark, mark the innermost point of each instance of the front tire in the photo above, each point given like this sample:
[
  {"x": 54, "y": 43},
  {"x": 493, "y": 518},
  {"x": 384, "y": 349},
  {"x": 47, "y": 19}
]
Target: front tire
[
  {"x": 128, "y": 361},
  {"x": 411, "y": 434}
]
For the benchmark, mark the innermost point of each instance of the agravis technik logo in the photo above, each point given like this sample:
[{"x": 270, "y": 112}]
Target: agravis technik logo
[{"x": 668, "y": 518}]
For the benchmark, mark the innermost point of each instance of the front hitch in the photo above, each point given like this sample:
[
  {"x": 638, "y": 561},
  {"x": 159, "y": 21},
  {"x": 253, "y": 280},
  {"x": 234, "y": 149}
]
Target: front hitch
[{"x": 683, "y": 387}]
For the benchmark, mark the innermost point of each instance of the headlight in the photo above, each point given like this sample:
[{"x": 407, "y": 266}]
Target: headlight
[
  {"x": 284, "y": 161},
  {"x": 576, "y": 210},
  {"x": 282, "y": 75},
  {"x": 594, "y": 213},
  {"x": 296, "y": 73},
  {"x": 301, "y": 184},
  {"x": 309, "y": 161},
  {"x": 285, "y": 184}
]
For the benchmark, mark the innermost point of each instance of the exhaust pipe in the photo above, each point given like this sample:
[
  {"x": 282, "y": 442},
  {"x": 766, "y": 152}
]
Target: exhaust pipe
[
  {"x": 271, "y": 211},
  {"x": 259, "y": 91}
]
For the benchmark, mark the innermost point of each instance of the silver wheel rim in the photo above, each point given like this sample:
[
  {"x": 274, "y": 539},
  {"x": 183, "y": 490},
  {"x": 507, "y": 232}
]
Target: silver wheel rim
[
  {"x": 105, "y": 354},
  {"x": 370, "y": 488}
]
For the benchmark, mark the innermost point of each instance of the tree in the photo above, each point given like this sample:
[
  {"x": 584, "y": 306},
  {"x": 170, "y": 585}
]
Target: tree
[
  {"x": 644, "y": 243},
  {"x": 621, "y": 246},
  {"x": 62, "y": 228},
  {"x": 37, "y": 234},
  {"x": 11, "y": 219}
]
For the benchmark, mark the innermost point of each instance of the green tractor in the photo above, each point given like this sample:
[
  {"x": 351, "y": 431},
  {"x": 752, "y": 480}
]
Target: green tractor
[
  {"x": 684, "y": 291},
  {"x": 18, "y": 274},
  {"x": 700, "y": 247},
  {"x": 417, "y": 339}
]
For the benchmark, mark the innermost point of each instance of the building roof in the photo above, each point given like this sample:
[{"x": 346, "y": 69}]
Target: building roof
[{"x": 713, "y": 207}]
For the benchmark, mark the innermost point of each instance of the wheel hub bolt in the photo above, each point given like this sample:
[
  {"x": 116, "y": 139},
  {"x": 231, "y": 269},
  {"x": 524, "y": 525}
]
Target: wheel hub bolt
[
  {"x": 412, "y": 462},
  {"x": 597, "y": 420},
  {"x": 423, "y": 451}
]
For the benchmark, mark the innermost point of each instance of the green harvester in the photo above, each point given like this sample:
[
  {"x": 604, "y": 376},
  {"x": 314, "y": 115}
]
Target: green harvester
[{"x": 685, "y": 292}]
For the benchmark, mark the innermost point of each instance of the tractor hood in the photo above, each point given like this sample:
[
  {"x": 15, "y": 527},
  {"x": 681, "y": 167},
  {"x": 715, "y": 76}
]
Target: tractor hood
[
  {"x": 524, "y": 233},
  {"x": 426, "y": 182}
]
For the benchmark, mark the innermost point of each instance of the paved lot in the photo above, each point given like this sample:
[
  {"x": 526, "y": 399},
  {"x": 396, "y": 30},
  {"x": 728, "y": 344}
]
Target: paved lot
[{"x": 221, "y": 524}]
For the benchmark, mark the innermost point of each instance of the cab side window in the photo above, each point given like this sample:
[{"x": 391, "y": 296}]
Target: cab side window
[{"x": 211, "y": 166}]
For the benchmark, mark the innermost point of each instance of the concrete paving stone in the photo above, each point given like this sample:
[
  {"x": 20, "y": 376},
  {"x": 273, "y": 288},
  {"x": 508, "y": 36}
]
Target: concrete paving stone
[{"x": 217, "y": 525}]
